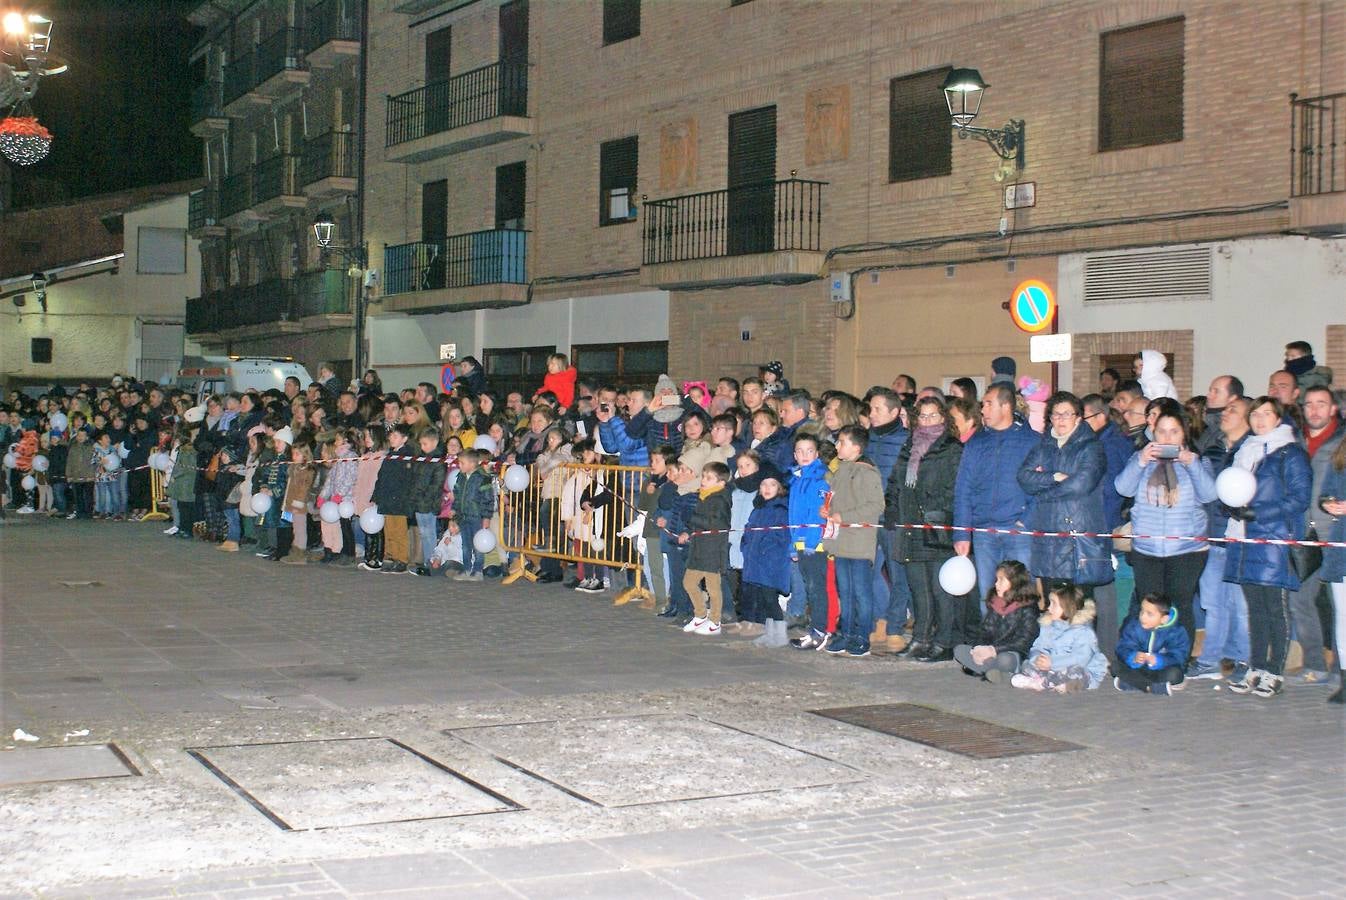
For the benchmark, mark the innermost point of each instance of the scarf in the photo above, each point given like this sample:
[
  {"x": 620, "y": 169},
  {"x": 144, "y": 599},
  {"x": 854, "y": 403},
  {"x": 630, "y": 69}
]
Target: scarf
[
  {"x": 1003, "y": 606},
  {"x": 1162, "y": 488},
  {"x": 1300, "y": 366},
  {"x": 703, "y": 493},
  {"x": 921, "y": 441}
]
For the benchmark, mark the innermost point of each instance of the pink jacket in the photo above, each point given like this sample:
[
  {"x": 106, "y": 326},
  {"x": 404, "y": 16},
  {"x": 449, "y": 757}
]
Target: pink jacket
[{"x": 366, "y": 474}]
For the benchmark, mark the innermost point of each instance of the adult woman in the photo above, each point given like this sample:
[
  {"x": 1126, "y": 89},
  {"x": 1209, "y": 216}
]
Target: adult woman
[
  {"x": 454, "y": 425},
  {"x": 966, "y": 416},
  {"x": 1170, "y": 484},
  {"x": 414, "y": 417},
  {"x": 920, "y": 492},
  {"x": 696, "y": 447},
  {"x": 371, "y": 383},
  {"x": 486, "y": 412},
  {"x": 1333, "y": 571},
  {"x": 1062, "y": 475},
  {"x": 963, "y": 389},
  {"x": 1277, "y": 511},
  {"x": 839, "y": 411}
]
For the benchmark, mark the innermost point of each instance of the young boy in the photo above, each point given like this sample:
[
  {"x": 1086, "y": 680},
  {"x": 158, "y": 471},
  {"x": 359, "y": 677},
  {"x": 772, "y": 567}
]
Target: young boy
[
  {"x": 708, "y": 554},
  {"x": 857, "y": 497},
  {"x": 1152, "y": 649},
  {"x": 808, "y": 493},
  {"x": 473, "y": 506},
  {"x": 392, "y": 496},
  {"x": 80, "y": 472},
  {"x": 656, "y": 566},
  {"x": 427, "y": 496},
  {"x": 673, "y": 509}
]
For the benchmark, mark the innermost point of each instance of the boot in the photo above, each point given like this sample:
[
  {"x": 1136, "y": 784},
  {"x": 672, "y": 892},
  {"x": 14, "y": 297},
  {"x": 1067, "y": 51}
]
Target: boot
[
  {"x": 879, "y": 636},
  {"x": 896, "y": 643},
  {"x": 229, "y": 547},
  {"x": 296, "y": 557}
]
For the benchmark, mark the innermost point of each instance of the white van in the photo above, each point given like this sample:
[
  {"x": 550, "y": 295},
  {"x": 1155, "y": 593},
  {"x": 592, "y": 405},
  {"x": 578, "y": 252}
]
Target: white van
[{"x": 206, "y": 375}]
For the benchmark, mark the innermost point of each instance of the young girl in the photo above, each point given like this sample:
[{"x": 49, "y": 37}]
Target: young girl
[
  {"x": 552, "y": 477},
  {"x": 44, "y": 496},
  {"x": 1065, "y": 657},
  {"x": 583, "y": 506},
  {"x": 104, "y": 479},
  {"x": 271, "y": 479},
  {"x": 560, "y": 380},
  {"x": 1007, "y": 630},
  {"x": 302, "y": 475},
  {"x": 181, "y": 485},
  {"x": 338, "y": 540},
  {"x": 366, "y": 476},
  {"x": 766, "y": 560},
  {"x": 744, "y": 494}
]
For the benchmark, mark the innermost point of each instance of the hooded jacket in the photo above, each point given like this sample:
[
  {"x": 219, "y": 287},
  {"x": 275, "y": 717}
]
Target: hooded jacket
[
  {"x": 1154, "y": 381},
  {"x": 987, "y": 493},
  {"x": 808, "y": 491},
  {"x": 562, "y": 384},
  {"x": 1075, "y": 504},
  {"x": 857, "y": 497},
  {"x": 766, "y": 545},
  {"x": 473, "y": 498},
  {"x": 1168, "y": 642},
  {"x": 710, "y": 552},
  {"x": 1068, "y": 644},
  {"x": 1196, "y": 488},
  {"x": 392, "y": 488}
]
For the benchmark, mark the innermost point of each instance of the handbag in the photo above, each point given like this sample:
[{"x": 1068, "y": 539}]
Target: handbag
[
  {"x": 1306, "y": 560},
  {"x": 936, "y": 538}
]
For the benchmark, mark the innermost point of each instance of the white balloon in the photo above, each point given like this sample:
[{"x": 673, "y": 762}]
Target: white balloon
[
  {"x": 484, "y": 540},
  {"x": 58, "y": 421},
  {"x": 153, "y": 461},
  {"x": 11, "y": 460},
  {"x": 958, "y": 576},
  {"x": 165, "y": 462},
  {"x": 484, "y": 442},
  {"x": 29, "y": 482},
  {"x": 346, "y": 509},
  {"x": 112, "y": 462},
  {"x": 516, "y": 478},
  {"x": 1236, "y": 487},
  {"x": 371, "y": 521},
  {"x": 40, "y": 463},
  {"x": 260, "y": 503},
  {"x": 598, "y": 544},
  {"x": 329, "y": 513}
]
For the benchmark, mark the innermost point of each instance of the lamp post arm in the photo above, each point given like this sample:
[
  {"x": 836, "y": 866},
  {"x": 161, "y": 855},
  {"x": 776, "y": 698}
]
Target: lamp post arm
[{"x": 1007, "y": 142}]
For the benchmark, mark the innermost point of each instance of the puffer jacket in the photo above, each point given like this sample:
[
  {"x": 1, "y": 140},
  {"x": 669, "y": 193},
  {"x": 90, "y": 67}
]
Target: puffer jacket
[
  {"x": 741, "y": 503},
  {"x": 182, "y": 482},
  {"x": 808, "y": 490},
  {"x": 392, "y": 488},
  {"x": 988, "y": 493},
  {"x": 274, "y": 475},
  {"x": 1284, "y": 482},
  {"x": 710, "y": 552},
  {"x": 857, "y": 497},
  {"x": 1117, "y": 450},
  {"x": 766, "y": 553},
  {"x": 1168, "y": 642},
  {"x": 473, "y": 498},
  {"x": 341, "y": 479},
  {"x": 1067, "y": 644},
  {"x": 1334, "y": 558},
  {"x": 1196, "y": 487},
  {"x": 1075, "y": 504},
  {"x": 630, "y": 451},
  {"x": 885, "y": 444},
  {"x": 297, "y": 489},
  {"x": 929, "y": 502},
  {"x": 427, "y": 485},
  {"x": 1012, "y": 629},
  {"x": 644, "y": 427}
]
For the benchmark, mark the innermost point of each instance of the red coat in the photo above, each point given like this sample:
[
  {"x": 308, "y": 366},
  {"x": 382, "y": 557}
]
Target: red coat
[
  {"x": 25, "y": 451},
  {"x": 562, "y": 384}
]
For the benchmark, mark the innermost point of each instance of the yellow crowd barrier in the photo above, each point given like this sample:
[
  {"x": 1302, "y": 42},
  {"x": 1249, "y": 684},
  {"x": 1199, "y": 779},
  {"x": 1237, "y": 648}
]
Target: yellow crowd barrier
[
  {"x": 548, "y": 519},
  {"x": 158, "y": 501}
]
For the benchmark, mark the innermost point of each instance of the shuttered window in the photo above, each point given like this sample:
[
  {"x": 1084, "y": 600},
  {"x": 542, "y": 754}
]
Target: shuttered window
[
  {"x": 1140, "y": 86},
  {"x": 617, "y": 164},
  {"x": 435, "y": 210},
  {"x": 920, "y": 134},
  {"x": 510, "y": 191},
  {"x": 621, "y": 20}
]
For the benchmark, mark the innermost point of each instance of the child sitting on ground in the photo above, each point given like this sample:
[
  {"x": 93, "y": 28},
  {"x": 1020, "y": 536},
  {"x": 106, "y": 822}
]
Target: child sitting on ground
[
  {"x": 1007, "y": 630},
  {"x": 707, "y": 554},
  {"x": 1152, "y": 649},
  {"x": 1065, "y": 657}
]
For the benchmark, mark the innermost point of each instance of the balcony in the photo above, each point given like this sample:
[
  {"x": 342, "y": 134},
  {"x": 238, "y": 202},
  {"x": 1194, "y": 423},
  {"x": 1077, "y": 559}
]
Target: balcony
[
  {"x": 331, "y": 33},
  {"x": 236, "y": 200},
  {"x": 329, "y": 167},
  {"x": 276, "y": 185},
  {"x": 313, "y": 301},
  {"x": 1318, "y": 164},
  {"x": 475, "y": 109},
  {"x": 274, "y": 67},
  {"x": 208, "y": 118},
  {"x": 770, "y": 231},
  {"x": 480, "y": 270},
  {"x": 203, "y": 213}
]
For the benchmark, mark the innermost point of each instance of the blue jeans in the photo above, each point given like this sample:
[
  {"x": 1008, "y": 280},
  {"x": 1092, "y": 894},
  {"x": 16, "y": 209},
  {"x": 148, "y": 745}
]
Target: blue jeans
[
  {"x": 676, "y": 555},
  {"x": 427, "y": 525},
  {"x": 103, "y": 502},
  {"x": 989, "y": 550},
  {"x": 58, "y": 496},
  {"x": 892, "y": 594},
  {"x": 119, "y": 492},
  {"x": 1226, "y": 612},
  {"x": 813, "y": 570},
  {"x": 233, "y": 525},
  {"x": 855, "y": 588}
]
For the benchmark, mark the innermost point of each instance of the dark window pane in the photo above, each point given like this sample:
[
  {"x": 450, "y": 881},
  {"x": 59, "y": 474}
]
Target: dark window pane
[
  {"x": 510, "y": 182},
  {"x": 435, "y": 210},
  {"x": 437, "y": 55},
  {"x": 621, "y": 20},
  {"x": 597, "y": 361},
  {"x": 645, "y": 358},
  {"x": 1140, "y": 86},
  {"x": 920, "y": 134},
  {"x": 617, "y": 164}
]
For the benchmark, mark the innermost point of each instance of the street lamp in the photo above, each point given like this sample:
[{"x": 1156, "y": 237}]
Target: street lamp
[
  {"x": 356, "y": 257},
  {"x": 25, "y": 59},
  {"x": 963, "y": 90}
]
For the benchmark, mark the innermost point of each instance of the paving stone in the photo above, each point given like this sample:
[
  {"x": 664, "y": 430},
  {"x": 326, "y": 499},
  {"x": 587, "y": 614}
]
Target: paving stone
[{"x": 401, "y": 872}]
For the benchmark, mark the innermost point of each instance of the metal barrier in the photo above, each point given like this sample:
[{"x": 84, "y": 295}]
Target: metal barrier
[
  {"x": 158, "y": 500},
  {"x": 545, "y": 520}
]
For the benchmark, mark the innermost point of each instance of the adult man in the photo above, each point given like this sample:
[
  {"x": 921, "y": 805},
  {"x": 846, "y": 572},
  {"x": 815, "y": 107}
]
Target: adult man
[
  {"x": 159, "y": 410},
  {"x": 753, "y": 395},
  {"x": 392, "y": 411},
  {"x": 726, "y": 396},
  {"x": 1126, "y": 392},
  {"x": 292, "y": 388},
  {"x": 987, "y": 493},
  {"x": 1222, "y": 601},
  {"x": 1135, "y": 420},
  {"x": 1223, "y": 388},
  {"x": 427, "y": 395},
  {"x": 1108, "y": 382},
  {"x": 892, "y": 595},
  {"x": 515, "y": 408},
  {"x": 327, "y": 377},
  {"x": 1284, "y": 387},
  {"x": 794, "y": 415},
  {"x": 1117, "y": 449},
  {"x": 612, "y": 430},
  {"x": 1003, "y": 370},
  {"x": 348, "y": 415},
  {"x": 1323, "y": 431},
  {"x": 905, "y": 386},
  {"x": 1299, "y": 362}
]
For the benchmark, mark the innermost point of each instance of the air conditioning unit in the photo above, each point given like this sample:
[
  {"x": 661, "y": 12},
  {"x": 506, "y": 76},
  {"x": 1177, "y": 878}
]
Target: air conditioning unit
[{"x": 839, "y": 287}]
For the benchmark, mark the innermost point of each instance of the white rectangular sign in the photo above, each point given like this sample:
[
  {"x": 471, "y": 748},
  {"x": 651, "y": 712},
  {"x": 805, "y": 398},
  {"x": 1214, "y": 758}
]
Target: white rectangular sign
[
  {"x": 1049, "y": 348},
  {"x": 1021, "y": 196},
  {"x": 448, "y": 351}
]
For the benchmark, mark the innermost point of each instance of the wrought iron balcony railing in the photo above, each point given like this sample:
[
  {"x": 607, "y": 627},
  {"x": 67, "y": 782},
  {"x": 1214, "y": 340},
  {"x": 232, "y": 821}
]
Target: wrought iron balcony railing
[
  {"x": 208, "y": 100},
  {"x": 330, "y": 20},
  {"x": 282, "y": 50},
  {"x": 203, "y": 208},
  {"x": 497, "y": 256},
  {"x": 236, "y": 193},
  {"x": 499, "y": 89},
  {"x": 1317, "y": 144},
  {"x": 330, "y": 155},
  {"x": 274, "y": 177},
  {"x": 755, "y": 218}
]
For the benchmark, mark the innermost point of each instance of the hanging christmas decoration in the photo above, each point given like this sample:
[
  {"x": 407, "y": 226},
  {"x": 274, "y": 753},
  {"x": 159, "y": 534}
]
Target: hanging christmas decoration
[{"x": 23, "y": 140}]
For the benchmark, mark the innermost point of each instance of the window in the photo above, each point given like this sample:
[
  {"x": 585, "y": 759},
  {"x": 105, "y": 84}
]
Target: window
[
  {"x": 41, "y": 350},
  {"x": 1140, "y": 86},
  {"x": 626, "y": 365},
  {"x": 510, "y": 191},
  {"x": 621, "y": 20},
  {"x": 1122, "y": 362},
  {"x": 920, "y": 135},
  {"x": 516, "y": 369},
  {"x": 617, "y": 163},
  {"x": 434, "y": 210},
  {"x": 438, "y": 55},
  {"x": 161, "y": 251}
]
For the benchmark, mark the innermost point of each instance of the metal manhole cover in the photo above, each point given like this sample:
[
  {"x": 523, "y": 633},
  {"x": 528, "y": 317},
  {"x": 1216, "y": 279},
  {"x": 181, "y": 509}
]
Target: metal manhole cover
[
  {"x": 946, "y": 731},
  {"x": 74, "y": 762}
]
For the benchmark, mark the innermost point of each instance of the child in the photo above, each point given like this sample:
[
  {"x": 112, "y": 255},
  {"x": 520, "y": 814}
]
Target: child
[
  {"x": 773, "y": 379},
  {"x": 296, "y": 506},
  {"x": 672, "y": 511},
  {"x": 79, "y": 471},
  {"x": 1152, "y": 649},
  {"x": 44, "y": 495},
  {"x": 857, "y": 497},
  {"x": 1007, "y": 630},
  {"x": 181, "y": 485},
  {"x": 338, "y": 538},
  {"x": 656, "y": 565},
  {"x": 560, "y": 380},
  {"x": 105, "y": 500},
  {"x": 56, "y": 463},
  {"x": 747, "y": 478},
  {"x": 426, "y": 496},
  {"x": 473, "y": 506},
  {"x": 1065, "y": 657},
  {"x": 808, "y": 493},
  {"x": 707, "y": 554},
  {"x": 367, "y": 474},
  {"x": 392, "y": 494},
  {"x": 766, "y": 559},
  {"x": 272, "y": 477}
]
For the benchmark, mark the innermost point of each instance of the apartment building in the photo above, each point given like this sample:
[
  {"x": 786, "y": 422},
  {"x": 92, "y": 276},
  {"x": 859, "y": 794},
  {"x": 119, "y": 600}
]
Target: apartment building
[
  {"x": 681, "y": 184},
  {"x": 277, "y": 107}
]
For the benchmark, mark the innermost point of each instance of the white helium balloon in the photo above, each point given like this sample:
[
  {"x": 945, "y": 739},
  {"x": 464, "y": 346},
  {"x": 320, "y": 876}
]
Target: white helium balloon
[
  {"x": 58, "y": 421},
  {"x": 11, "y": 460},
  {"x": 40, "y": 463},
  {"x": 958, "y": 576},
  {"x": 329, "y": 513},
  {"x": 29, "y": 482},
  {"x": 261, "y": 503},
  {"x": 484, "y": 540},
  {"x": 1236, "y": 487},
  {"x": 153, "y": 461},
  {"x": 112, "y": 462},
  {"x": 165, "y": 462},
  {"x": 516, "y": 478},
  {"x": 371, "y": 520},
  {"x": 484, "y": 442},
  {"x": 598, "y": 544},
  {"x": 346, "y": 509}
]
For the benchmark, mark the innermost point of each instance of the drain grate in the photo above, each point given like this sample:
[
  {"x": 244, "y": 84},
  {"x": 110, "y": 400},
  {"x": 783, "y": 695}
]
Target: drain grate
[{"x": 946, "y": 731}]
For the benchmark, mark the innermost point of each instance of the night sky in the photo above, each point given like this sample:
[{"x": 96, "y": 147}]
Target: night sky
[{"x": 119, "y": 117}]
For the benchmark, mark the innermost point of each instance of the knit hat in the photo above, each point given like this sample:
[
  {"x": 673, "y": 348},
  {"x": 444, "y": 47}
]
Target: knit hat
[
  {"x": 1003, "y": 368},
  {"x": 285, "y": 436},
  {"x": 195, "y": 414},
  {"x": 775, "y": 367},
  {"x": 665, "y": 385}
]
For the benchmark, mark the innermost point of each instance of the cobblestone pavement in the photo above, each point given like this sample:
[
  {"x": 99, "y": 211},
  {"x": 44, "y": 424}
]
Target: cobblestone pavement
[{"x": 179, "y": 646}]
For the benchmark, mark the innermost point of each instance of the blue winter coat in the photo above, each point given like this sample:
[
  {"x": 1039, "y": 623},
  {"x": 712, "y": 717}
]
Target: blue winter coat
[
  {"x": 987, "y": 493},
  {"x": 766, "y": 554},
  {"x": 1075, "y": 504},
  {"x": 1196, "y": 487},
  {"x": 883, "y": 449},
  {"x": 1072, "y": 643},
  {"x": 1117, "y": 449},
  {"x": 630, "y": 451},
  {"x": 808, "y": 489},
  {"x": 1168, "y": 642},
  {"x": 642, "y": 426},
  {"x": 1334, "y": 558},
  {"x": 738, "y": 517},
  {"x": 1284, "y": 481},
  {"x": 779, "y": 447}
]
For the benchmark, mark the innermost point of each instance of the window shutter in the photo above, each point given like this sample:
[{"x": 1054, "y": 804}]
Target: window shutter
[
  {"x": 621, "y": 20},
  {"x": 920, "y": 134},
  {"x": 1140, "y": 86}
]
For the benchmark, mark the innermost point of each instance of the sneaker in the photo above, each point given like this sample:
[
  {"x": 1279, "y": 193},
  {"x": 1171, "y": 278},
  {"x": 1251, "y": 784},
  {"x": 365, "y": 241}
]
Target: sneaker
[
  {"x": 1268, "y": 685},
  {"x": 72, "y": 516},
  {"x": 1199, "y": 670},
  {"x": 171, "y": 529},
  {"x": 1027, "y": 682},
  {"x": 694, "y": 624},
  {"x": 708, "y": 628},
  {"x": 1313, "y": 678},
  {"x": 363, "y": 566},
  {"x": 1240, "y": 671},
  {"x": 262, "y": 554},
  {"x": 25, "y": 510},
  {"x": 858, "y": 652},
  {"x": 812, "y": 640},
  {"x": 668, "y": 612},
  {"x": 1161, "y": 689},
  {"x": 590, "y": 586},
  {"x": 607, "y": 584},
  {"x": 1247, "y": 683},
  {"x": 836, "y": 645},
  {"x": 1123, "y": 686},
  {"x": 395, "y": 568}
]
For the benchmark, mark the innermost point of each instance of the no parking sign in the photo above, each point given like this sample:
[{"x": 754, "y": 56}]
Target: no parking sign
[
  {"x": 1033, "y": 306},
  {"x": 446, "y": 377}
]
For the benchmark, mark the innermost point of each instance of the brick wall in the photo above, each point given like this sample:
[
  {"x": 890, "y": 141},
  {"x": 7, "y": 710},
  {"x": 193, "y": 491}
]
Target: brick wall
[
  {"x": 1089, "y": 347},
  {"x": 1334, "y": 354}
]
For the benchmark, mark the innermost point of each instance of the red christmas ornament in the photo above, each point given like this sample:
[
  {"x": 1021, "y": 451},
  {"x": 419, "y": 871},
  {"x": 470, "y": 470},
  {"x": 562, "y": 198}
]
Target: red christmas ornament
[{"x": 23, "y": 140}]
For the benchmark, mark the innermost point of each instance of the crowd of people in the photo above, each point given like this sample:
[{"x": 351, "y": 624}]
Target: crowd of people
[{"x": 1095, "y": 528}]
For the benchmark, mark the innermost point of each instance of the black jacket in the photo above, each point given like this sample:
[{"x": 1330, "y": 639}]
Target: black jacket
[
  {"x": 392, "y": 489},
  {"x": 427, "y": 485},
  {"x": 1015, "y": 631},
  {"x": 928, "y": 502},
  {"x": 710, "y": 552}
]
